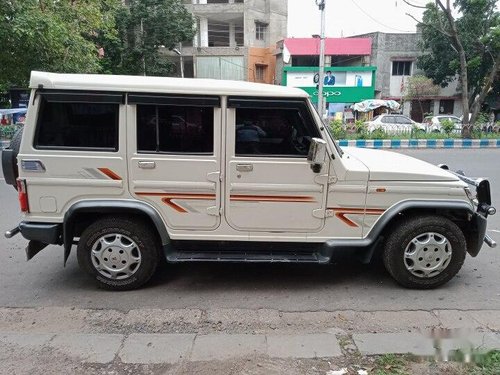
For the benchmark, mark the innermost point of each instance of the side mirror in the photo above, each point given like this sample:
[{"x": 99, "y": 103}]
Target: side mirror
[{"x": 317, "y": 154}]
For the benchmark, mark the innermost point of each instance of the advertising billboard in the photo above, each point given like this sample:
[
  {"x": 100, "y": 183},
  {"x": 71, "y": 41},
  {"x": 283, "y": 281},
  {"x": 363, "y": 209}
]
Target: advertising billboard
[{"x": 341, "y": 84}]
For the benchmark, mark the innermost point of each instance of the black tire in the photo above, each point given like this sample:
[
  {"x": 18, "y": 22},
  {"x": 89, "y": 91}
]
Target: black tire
[
  {"x": 409, "y": 229},
  {"x": 135, "y": 230},
  {"x": 14, "y": 145}
]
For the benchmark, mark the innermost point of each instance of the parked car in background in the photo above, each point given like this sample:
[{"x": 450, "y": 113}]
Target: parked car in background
[
  {"x": 434, "y": 123},
  {"x": 394, "y": 124}
]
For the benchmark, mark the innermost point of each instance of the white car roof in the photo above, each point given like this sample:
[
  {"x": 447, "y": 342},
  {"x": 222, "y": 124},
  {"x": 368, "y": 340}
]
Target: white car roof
[{"x": 103, "y": 82}]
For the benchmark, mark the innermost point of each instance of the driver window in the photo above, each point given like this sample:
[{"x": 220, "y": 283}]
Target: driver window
[{"x": 271, "y": 131}]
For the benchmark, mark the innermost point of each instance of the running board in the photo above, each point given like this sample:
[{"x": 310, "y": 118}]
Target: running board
[{"x": 224, "y": 256}]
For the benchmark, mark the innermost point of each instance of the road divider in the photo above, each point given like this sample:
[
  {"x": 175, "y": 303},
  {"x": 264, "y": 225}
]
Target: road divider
[{"x": 421, "y": 143}]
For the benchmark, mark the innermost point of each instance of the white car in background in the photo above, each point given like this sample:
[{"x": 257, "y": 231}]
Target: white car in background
[
  {"x": 394, "y": 124},
  {"x": 434, "y": 123}
]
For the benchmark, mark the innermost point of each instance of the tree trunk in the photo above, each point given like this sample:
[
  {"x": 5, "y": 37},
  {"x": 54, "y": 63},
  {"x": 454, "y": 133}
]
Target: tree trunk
[
  {"x": 421, "y": 108},
  {"x": 457, "y": 44},
  {"x": 488, "y": 82}
]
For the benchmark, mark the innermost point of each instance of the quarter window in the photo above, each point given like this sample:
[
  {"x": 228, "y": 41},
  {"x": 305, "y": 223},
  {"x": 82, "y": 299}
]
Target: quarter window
[
  {"x": 175, "y": 129},
  {"x": 271, "y": 131},
  {"x": 77, "y": 126}
]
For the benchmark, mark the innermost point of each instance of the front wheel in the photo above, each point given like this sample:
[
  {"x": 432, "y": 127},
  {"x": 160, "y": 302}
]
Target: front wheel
[
  {"x": 119, "y": 253},
  {"x": 424, "y": 252}
]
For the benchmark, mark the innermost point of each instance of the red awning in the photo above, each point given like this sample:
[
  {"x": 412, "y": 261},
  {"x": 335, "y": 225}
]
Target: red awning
[{"x": 333, "y": 46}]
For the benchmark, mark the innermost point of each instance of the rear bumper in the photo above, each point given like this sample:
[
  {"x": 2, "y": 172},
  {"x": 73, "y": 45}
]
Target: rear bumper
[{"x": 47, "y": 233}]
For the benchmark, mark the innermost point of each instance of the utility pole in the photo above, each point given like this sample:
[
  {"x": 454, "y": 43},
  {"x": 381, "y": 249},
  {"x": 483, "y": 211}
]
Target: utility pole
[
  {"x": 181, "y": 58},
  {"x": 321, "y": 100}
]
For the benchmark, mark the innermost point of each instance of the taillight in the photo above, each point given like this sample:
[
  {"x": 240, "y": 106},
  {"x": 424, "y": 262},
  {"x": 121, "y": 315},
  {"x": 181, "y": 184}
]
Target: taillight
[{"x": 23, "y": 194}]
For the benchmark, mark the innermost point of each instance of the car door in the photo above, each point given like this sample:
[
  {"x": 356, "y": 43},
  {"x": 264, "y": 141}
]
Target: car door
[
  {"x": 270, "y": 186},
  {"x": 174, "y": 157}
]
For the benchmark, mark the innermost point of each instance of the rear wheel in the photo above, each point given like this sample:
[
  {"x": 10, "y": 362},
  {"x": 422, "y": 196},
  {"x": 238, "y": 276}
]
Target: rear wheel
[
  {"x": 425, "y": 252},
  {"x": 119, "y": 253}
]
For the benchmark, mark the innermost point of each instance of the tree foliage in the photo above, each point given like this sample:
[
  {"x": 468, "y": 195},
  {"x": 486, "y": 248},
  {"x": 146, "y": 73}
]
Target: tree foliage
[
  {"x": 58, "y": 36},
  {"x": 467, "y": 45},
  {"x": 419, "y": 87},
  {"x": 67, "y": 35},
  {"x": 144, "y": 29}
]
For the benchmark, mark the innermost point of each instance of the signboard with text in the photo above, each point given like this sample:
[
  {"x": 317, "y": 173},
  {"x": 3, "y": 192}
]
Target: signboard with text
[{"x": 340, "y": 85}]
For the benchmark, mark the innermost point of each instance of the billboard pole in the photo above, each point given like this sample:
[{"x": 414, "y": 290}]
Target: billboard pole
[{"x": 321, "y": 101}]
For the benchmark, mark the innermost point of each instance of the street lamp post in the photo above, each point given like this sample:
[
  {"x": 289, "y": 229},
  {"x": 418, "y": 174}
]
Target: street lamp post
[{"x": 321, "y": 100}]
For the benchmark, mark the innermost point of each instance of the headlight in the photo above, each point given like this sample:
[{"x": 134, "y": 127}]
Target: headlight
[{"x": 469, "y": 194}]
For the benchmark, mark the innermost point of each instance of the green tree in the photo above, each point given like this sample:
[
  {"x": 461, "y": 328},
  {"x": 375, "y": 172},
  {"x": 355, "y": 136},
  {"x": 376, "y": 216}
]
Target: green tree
[
  {"x": 144, "y": 29},
  {"x": 58, "y": 36},
  {"x": 462, "y": 38}
]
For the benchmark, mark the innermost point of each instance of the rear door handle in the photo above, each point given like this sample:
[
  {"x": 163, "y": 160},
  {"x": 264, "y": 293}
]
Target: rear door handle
[
  {"x": 244, "y": 167},
  {"x": 147, "y": 164}
]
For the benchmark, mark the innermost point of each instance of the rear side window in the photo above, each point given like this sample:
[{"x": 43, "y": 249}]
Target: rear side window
[
  {"x": 175, "y": 129},
  {"x": 388, "y": 120},
  {"x": 67, "y": 125}
]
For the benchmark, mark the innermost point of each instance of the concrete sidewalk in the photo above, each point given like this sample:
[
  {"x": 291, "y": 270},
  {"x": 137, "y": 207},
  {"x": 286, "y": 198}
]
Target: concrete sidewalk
[
  {"x": 139, "y": 348},
  {"x": 143, "y": 336}
]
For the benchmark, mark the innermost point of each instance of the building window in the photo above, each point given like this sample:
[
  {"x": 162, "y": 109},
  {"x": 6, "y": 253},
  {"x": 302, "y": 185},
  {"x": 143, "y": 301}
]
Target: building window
[
  {"x": 260, "y": 31},
  {"x": 260, "y": 72},
  {"x": 446, "y": 106},
  {"x": 401, "y": 68},
  {"x": 175, "y": 129}
]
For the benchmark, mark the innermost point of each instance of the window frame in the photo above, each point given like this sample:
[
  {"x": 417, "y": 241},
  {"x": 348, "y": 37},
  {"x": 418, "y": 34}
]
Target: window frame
[
  {"x": 262, "y": 69},
  {"x": 235, "y": 102},
  {"x": 260, "y": 31},
  {"x": 157, "y": 100},
  {"x": 78, "y": 97},
  {"x": 396, "y": 64}
]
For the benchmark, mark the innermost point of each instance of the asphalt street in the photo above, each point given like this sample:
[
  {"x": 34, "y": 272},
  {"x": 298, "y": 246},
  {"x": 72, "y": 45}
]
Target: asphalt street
[{"x": 345, "y": 285}]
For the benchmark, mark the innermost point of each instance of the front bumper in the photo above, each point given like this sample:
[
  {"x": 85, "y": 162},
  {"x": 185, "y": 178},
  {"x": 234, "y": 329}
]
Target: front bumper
[{"x": 478, "y": 221}]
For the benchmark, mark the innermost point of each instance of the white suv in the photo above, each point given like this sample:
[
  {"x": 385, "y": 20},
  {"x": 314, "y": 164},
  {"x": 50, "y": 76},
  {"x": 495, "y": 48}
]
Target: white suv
[{"x": 133, "y": 170}]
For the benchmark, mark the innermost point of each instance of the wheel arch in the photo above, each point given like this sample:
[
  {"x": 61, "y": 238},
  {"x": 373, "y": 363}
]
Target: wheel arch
[
  {"x": 80, "y": 214},
  {"x": 454, "y": 210},
  {"x": 458, "y": 211}
]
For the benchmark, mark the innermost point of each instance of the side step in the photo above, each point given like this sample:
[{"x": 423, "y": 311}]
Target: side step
[{"x": 225, "y": 256}]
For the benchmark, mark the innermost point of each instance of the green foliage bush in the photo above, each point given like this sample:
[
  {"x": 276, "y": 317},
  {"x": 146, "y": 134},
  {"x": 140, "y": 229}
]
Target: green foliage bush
[
  {"x": 7, "y": 131},
  {"x": 360, "y": 130},
  {"x": 337, "y": 128},
  {"x": 448, "y": 126}
]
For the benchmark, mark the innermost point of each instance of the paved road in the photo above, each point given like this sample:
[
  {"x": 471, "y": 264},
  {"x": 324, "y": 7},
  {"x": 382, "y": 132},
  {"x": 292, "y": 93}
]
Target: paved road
[{"x": 344, "y": 285}]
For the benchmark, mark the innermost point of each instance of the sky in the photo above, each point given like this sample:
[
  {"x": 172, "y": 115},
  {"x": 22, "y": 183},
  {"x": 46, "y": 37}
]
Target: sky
[{"x": 351, "y": 17}]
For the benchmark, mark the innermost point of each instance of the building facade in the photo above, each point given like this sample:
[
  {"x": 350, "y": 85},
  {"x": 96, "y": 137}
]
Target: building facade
[
  {"x": 395, "y": 56},
  {"x": 235, "y": 39},
  {"x": 349, "y": 77}
]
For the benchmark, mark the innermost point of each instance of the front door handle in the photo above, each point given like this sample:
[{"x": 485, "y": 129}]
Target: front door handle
[
  {"x": 147, "y": 164},
  {"x": 244, "y": 167}
]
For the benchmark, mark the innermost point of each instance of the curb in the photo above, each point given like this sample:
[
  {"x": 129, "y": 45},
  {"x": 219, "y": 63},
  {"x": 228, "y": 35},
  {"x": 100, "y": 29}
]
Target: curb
[{"x": 420, "y": 143}]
